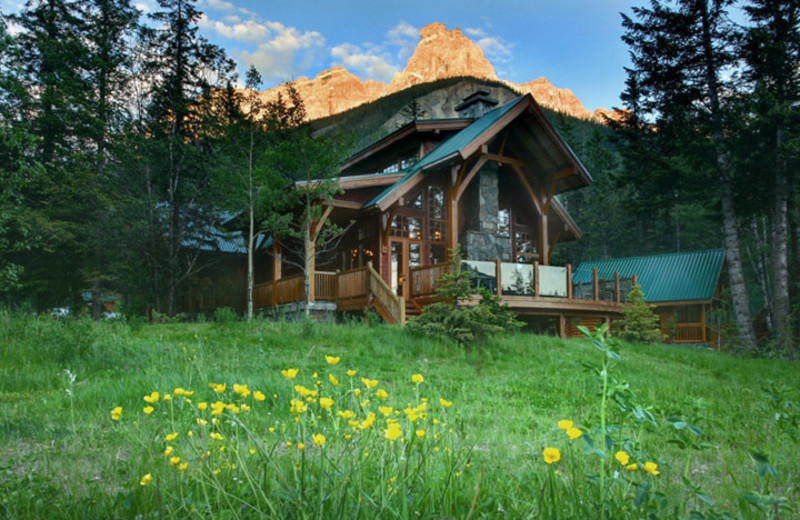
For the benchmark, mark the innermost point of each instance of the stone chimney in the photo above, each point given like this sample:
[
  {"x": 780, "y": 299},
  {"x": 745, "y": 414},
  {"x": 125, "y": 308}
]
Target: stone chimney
[{"x": 476, "y": 105}]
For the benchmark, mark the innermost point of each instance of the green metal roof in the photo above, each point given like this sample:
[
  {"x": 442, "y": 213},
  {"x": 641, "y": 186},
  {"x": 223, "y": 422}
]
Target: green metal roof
[
  {"x": 451, "y": 146},
  {"x": 663, "y": 278}
]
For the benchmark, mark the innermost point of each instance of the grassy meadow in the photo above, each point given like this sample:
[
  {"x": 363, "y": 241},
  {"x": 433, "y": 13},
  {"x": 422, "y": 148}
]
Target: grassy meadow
[{"x": 424, "y": 429}]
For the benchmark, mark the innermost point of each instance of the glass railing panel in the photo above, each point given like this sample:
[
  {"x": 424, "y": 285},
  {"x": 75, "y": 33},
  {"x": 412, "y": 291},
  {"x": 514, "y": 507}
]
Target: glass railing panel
[
  {"x": 517, "y": 279},
  {"x": 552, "y": 281},
  {"x": 482, "y": 273}
]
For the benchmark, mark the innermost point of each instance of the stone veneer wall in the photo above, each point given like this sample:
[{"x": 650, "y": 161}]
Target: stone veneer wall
[{"x": 481, "y": 206}]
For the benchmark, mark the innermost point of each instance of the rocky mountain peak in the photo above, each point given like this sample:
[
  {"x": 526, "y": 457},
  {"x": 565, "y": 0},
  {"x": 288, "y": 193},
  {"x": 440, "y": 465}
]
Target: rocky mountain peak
[{"x": 440, "y": 54}]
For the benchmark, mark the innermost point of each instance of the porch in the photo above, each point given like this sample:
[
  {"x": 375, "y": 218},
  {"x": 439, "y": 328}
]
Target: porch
[{"x": 529, "y": 289}]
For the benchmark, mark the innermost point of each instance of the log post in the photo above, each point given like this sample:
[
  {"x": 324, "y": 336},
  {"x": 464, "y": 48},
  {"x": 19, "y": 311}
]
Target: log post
[
  {"x": 277, "y": 260},
  {"x": 535, "y": 279},
  {"x": 616, "y": 287},
  {"x": 562, "y": 326},
  {"x": 595, "y": 285},
  {"x": 569, "y": 281},
  {"x": 497, "y": 274}
]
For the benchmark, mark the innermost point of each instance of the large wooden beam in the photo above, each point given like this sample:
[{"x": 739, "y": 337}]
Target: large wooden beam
[
  {"x": 464, "y": 182},
  {"x": 544, "y": 240}
]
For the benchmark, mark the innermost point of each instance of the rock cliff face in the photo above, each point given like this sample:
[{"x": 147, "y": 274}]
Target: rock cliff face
[{"x": 439, "y": 54}]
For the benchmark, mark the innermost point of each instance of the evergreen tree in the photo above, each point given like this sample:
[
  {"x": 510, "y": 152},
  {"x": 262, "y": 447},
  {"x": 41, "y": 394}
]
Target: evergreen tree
[
  {"x": 184, "y": 68},
  {"x": 772, "y": 50},
  {"x": 680, "y": 84},
  {"x": 639, "y": 322}
]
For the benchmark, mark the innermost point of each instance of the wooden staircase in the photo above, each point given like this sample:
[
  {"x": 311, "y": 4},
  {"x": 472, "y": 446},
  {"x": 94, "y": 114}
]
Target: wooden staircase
[{"x": 413, "y": 309}]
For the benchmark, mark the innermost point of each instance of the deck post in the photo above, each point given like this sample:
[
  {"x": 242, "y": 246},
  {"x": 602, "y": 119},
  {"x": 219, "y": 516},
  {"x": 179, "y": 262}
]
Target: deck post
[
  {"x": 635, "y": 280},
  {"x": 703, "y": 320},
  {"x": 569, "y": 281},
  {"x": 277, "y": 260},
  {"x": 312, "y": 267},
  {"x": 535, "y": 279},
  {"x": 402, "y": 320},
  {"x": 497, "y": 274},
  {"x": 562, "y": 326},
  {"x": 595, "y": 285},
  {"x": 616, "y": 287}
]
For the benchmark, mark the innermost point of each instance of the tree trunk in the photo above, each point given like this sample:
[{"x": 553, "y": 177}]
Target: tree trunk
[
  {"x": 741, "y": 301},
  {"x": 780, "y": 250},
  {"x": 759, "y": 263}
]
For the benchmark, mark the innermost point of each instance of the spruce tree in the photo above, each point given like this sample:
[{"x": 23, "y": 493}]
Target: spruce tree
[{"x": 639, "y": 322}]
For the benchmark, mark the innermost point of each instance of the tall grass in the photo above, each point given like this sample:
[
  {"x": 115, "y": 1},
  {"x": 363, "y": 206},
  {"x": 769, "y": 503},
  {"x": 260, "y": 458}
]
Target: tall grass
[{"x": 63, "y": 456}]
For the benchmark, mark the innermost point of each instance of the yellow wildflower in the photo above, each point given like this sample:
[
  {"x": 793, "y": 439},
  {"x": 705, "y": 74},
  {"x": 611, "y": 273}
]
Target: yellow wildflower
[
  {"x": 202, "y": 406},
  {"x": 332, "y": 360},
  {"x": 357, "y": 392},
  {"x": 218, "y": 388},
  {"x": 444, "y": 402},
  {"x": 305, "y": 392},
  {"x": 386, "y": 410},
  {"x": 201, "y": 422},
  {"x": 216, "y": 436},
  {"x": 333, "y": 380},
  {"x": 182, "y": 391},
  {"x": 259, "y": 395},
  {"x": 346, "y": 414},
  {"x": 369, "y": 422},
  {"x": 565, "y": 424},
  {"x": 252, "y": 451},
  {"x": 245, "y": 408},
  {"x": 369, "y": 383},
  {"x": 171, "y": 437},
  {"x": 420, "y": 433},
  {"x": 651, "y": 468},
  {"x": 148, "y": 410},
  {"x": 632, "y": 467},
  {"x": 319, "y": 439},
  {"x": 381, "y": 393},
  {"x": 351, "y": 373},
  {"x": 325, "y": 402},
  {"x": 290, "y": 373},
  {"x": 301, "y": 446},
  {"x": 217, "y": 408},
  {"x": 167, "y": 398},
  {"x": 393, "y": 431},
  {"x": 215, "y": 472},
  {"x": 271, "y": 428},
  {"x": 232, "y": 407},
  {"x": 152, "y": 398},
  {"x": 552, "y": 455},
  {"x": 168, "y": 451},
  {"x": 623, "y": 457},
  {"x": 241, "y": 390},
  {"x": 183, "y": 466},
  {"x": 189, "y": 433},
  {"x": 298, "y": 407},
  {"x": 417, "y": 378},
  {"x": 146, "y": 480},
  {"x": 174, "y": 460},
  {"x": 116, "y": 413},
  {"x": 574, "y": 433}
]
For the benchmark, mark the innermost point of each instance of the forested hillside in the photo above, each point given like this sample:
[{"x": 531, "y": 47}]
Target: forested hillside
[{"x": 123, "y": 140}]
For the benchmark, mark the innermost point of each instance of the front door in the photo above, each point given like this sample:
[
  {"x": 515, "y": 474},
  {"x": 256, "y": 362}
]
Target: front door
[{"x": 404, "y": 254}]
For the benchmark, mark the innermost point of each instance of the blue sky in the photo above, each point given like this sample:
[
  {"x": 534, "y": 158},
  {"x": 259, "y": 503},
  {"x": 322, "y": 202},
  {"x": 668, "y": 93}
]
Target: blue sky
[{"x": 574, "y": 43}]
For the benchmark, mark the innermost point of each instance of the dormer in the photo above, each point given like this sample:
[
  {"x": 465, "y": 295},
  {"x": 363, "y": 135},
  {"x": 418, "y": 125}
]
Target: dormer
[{"x": 476, "y": 105}]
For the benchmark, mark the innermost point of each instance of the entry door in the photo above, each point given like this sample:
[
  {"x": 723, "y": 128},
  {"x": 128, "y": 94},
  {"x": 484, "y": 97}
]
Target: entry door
[{"x": 404, "y": 254}]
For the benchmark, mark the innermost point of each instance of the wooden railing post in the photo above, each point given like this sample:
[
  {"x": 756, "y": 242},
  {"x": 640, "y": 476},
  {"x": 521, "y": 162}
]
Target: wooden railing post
[
  {"x": 616, "y": 287},
  {"x": 595, "y": 285},
  {"x": 535, "y": 279},
  {"x": 402, "y": 320},
  {"x": 497, "y": 274},
  {"x": 569, "y": 281}
]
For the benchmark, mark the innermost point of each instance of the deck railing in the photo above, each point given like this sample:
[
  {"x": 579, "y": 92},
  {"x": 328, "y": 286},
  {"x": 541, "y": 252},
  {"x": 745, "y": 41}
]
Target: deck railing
[
  {"x": 352, "y": 284},
  {"x": 393, "y": 306},
  {"x": 325, "y": 285},
  {"x": 262, "y": 295},
  {"x": 291, "y": 289},
  {"x": 425, "y": 280}
]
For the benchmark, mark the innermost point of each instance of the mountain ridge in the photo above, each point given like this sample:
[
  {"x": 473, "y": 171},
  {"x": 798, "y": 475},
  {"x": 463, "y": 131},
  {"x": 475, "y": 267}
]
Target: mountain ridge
[{"x": 440, "y": 54}]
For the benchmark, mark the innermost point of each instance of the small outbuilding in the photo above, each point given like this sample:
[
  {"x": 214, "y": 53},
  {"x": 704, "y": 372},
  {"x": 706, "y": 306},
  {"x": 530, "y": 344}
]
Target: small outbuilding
[{"x": 683, "y": 288}]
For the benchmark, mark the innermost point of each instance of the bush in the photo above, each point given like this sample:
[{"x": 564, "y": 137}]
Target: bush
[
  {"x": 466, "y": 324},
  {"x": 639, "y": 321},
  {"x": 224, "y": 315}
]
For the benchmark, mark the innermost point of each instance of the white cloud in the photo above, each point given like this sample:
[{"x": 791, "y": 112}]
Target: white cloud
[
  {"x": 475, "y": 32},
  {"x": 246, "y": 31},
  {"x": 368, "y": 64},
  {"x": 287, "y": 52},
  {"x": 224, "y": 6},
  {"x": 404, "y": 37},
  {"x": 495, "y": 48}
]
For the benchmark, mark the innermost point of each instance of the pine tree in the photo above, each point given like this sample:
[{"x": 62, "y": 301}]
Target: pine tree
[
  {"x": 639, "y": 322},
  {"x": 680, "y": 58}
]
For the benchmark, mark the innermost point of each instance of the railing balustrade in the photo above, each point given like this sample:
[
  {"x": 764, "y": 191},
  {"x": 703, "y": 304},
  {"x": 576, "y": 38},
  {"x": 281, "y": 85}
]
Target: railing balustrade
[
  {"x": 352, "y": 284},
  {"x": 425, "y": 280}
]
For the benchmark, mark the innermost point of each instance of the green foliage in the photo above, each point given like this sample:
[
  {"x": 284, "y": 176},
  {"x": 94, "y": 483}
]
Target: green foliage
[
  {"x": 453, "y": 318},
  {"x": 223, "y": 315},
  {"x": 639, "y": 322}
]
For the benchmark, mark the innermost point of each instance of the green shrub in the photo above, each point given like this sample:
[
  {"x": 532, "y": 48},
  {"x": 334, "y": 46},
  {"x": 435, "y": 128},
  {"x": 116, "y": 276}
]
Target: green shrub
[
  {"x": 225, "y": 315},
  {"x": 639, "y": 321},
  {"x": 448, "y": 318}
]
